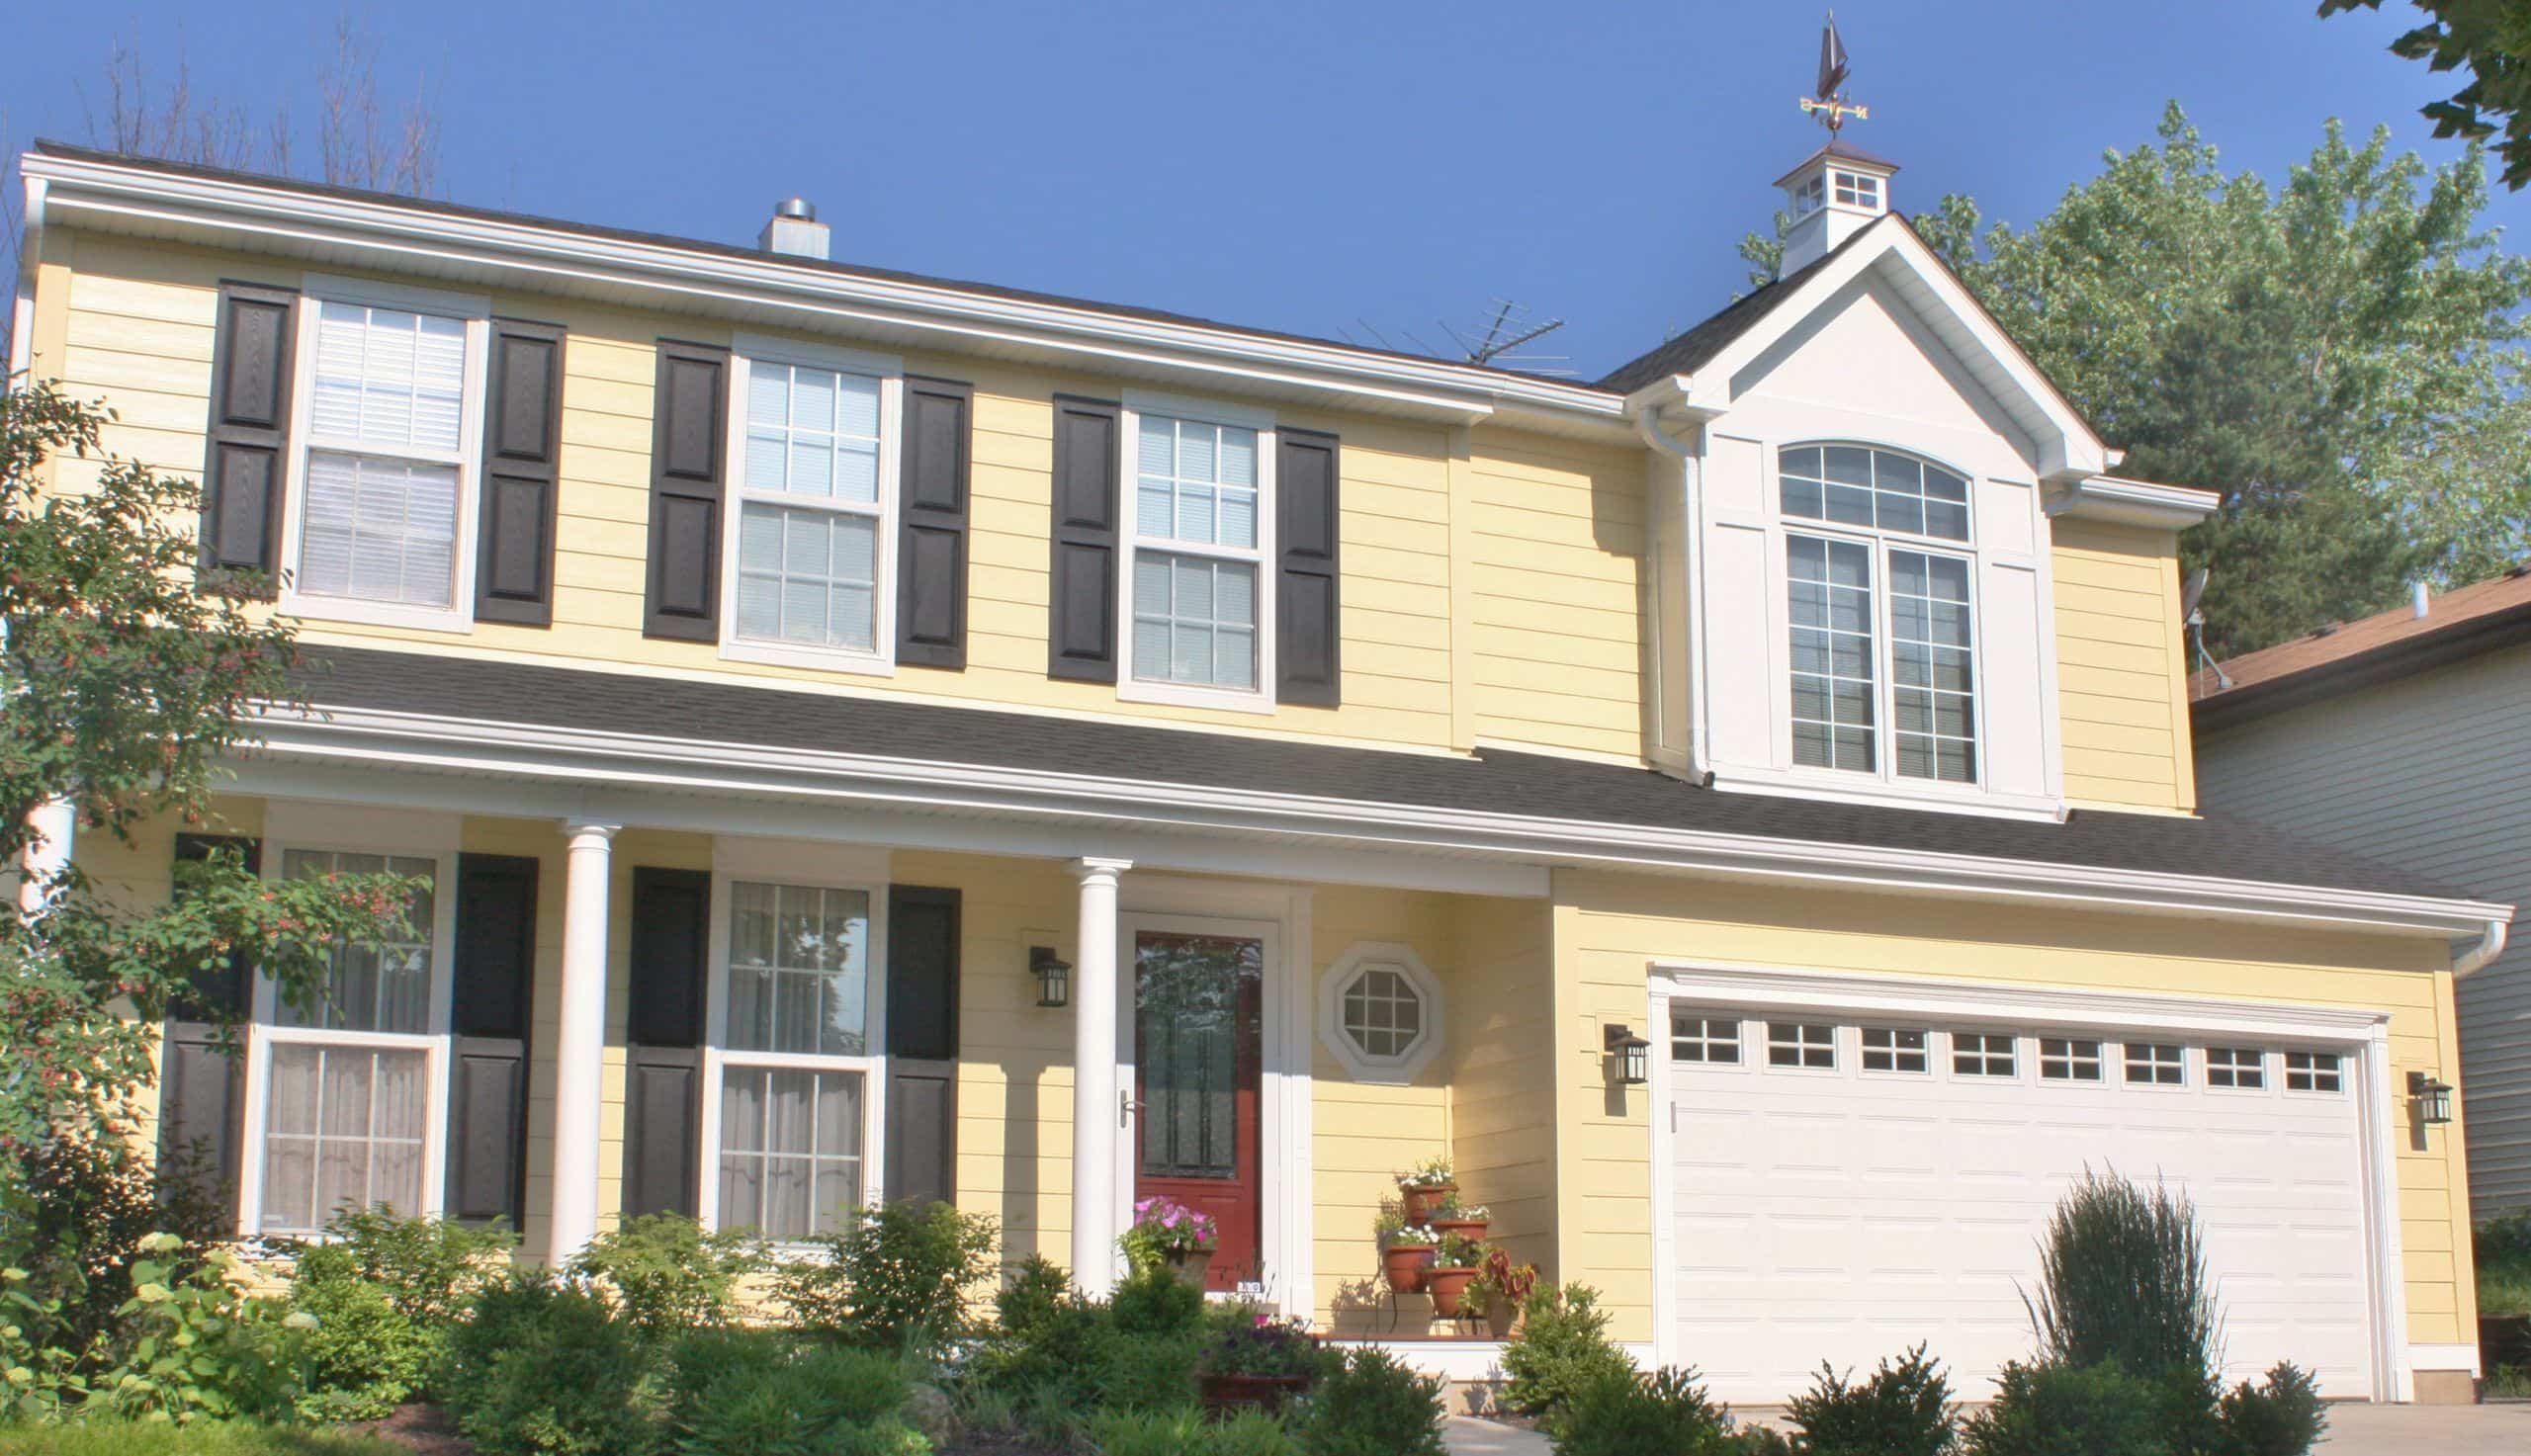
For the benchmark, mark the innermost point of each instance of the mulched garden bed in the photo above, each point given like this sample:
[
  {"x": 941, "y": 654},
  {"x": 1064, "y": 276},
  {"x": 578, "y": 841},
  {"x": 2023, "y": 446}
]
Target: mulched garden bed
[{"x": 426, "y": 1430}]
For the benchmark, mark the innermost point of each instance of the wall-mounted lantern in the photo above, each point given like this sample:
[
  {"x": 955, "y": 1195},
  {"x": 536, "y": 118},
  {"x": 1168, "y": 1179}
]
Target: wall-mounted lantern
[
  {"x": 2433, "y": 1099},
  {"x": 1629, "y": 1056},
  {"x": 1054, "y": 975}
]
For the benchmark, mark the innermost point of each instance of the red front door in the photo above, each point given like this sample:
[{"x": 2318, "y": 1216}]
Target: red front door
[{"x": 1198, "y": 1013}]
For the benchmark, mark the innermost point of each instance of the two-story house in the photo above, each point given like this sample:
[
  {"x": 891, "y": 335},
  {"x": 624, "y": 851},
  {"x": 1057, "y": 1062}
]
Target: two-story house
[{"x": 872, "y": 736}]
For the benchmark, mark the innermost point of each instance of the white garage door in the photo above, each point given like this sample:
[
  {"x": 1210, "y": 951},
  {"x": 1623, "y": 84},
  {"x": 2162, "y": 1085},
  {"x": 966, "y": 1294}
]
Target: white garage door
[{"x": 1848, "y": 1186}]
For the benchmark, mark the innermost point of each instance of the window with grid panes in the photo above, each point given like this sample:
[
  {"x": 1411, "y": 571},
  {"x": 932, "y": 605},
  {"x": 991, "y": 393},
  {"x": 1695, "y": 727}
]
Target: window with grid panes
[
  {"x": 2068, "y": 1059},
  {"x": 1981, "y": 1054},
  {"x": 1707, "y": 1039},
  {"x": 1896, "y": 1049},
  {"x": 1804, "y": 1044}
]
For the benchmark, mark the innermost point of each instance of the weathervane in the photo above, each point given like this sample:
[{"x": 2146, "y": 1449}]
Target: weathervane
[{"x": 1829, "y": 107}]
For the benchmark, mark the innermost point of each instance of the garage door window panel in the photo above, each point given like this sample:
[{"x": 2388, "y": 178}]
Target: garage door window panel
[
  {"x": 2068, "y": 1059},
  {"x": 1983, "y": 1054},
  {"x": 1801, "y": 1046},
  {"x": 1713, "y": 1041},
  {"x": 2155, "y": 1064},
  {"x": 2313, "y": 1071},
  {"x": 1898, "y": 1049},
  {"x": 2242, "y": 1069}
]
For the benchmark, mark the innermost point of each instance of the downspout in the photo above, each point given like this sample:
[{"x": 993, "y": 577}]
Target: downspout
[
  {"x": 1647, "y": 423},
  {"x": 22, "y": 322},
  {"x": 2489, "y": 945}
]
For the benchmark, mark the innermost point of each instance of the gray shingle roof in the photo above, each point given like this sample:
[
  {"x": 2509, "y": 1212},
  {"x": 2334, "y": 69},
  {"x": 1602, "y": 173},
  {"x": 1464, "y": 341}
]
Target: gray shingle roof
[{"x": 1492, "y": 780}]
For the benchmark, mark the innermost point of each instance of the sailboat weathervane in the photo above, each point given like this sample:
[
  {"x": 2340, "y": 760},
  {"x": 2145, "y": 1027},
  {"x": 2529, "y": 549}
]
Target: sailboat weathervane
[{"x": 1829, "y": 107}]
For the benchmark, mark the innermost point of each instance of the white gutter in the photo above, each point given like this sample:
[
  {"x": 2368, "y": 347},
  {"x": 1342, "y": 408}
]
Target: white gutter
[
  {"x": 629, "y": 762},
  {"x": 282, "y": 215}
]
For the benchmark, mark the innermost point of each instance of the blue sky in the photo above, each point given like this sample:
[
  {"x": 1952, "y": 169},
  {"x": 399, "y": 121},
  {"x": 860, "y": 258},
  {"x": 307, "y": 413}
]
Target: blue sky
[{"x": 1300, "y": 165}]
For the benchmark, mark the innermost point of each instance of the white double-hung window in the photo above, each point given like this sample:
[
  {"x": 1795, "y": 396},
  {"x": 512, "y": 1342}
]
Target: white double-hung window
[
  {"x": 815, "y": 487},
  {"x": 348, "y": 1089},
  {"x": 1883, "y": 619},
  {"x": 380, "y": 520},
  {"x": 1198, "y": 581},
  {"x": 792, "y": 1107}
]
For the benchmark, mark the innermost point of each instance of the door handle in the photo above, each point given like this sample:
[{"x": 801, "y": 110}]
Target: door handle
[{"x": 1127, "y": 1105}]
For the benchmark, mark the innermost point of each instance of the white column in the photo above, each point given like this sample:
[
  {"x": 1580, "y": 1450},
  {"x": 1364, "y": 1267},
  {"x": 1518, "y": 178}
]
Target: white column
[
  {"x": 579, "y": 1053},
  {"x": 55, "y": 823},
  {"x": 1097, "y": 1108}
]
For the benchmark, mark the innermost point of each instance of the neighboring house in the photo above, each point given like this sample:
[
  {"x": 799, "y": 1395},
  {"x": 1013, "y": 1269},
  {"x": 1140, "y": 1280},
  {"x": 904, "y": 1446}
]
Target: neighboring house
[
  {"x": 778, "y": 664},
  {"x": 2407, "y": 738}
]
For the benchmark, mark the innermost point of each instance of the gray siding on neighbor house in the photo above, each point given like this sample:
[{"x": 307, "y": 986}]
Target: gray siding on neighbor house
[{"x": 2431, "y": 773}]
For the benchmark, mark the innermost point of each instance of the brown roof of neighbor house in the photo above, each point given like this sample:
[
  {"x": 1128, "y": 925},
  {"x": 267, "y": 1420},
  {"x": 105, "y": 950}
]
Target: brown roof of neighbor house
[{"x": 2343, "y": 654}]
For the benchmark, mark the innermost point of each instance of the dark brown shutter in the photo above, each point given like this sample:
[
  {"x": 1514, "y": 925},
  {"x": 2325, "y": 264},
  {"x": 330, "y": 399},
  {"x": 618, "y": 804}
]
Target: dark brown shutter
[
  {"x": 1080, "y": 638},
  {"x": 1306, "y": 630},
  {"x": 202, "y": 1080},
  {"x": 689, "y": 430},
  {"x": 932, "y": 550},
  {"x": 249, "y": 432},
  {"x": 922, "y": 1043},
  {"x": 522, "y": 444},
  {"x": 490, "y": 1016},
  {"x": 663, "y": 1032}
]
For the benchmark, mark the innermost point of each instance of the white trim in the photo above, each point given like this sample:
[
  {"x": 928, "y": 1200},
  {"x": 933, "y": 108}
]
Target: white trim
[
  {"x": 1264, "y": 555},
  {"x": 276, "y": 216},
  {"x": 1386, "y": 954},
  {"x": 821, "y": 867},
  {"x": 1849, "y": 996},
  {"x": 2135, "y": 503},
  {"x": 601, "y": 760},
  {"x": 2444, "y": 1358},
  {"x": 474, "y": 312}
]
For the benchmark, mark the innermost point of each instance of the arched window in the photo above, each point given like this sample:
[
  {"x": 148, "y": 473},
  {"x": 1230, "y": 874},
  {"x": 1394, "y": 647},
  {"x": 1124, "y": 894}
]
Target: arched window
[{"x": 1884, "y": 622}]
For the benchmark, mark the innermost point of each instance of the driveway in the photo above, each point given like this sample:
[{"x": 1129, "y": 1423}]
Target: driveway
[{"x": 2354, "y": 1431}]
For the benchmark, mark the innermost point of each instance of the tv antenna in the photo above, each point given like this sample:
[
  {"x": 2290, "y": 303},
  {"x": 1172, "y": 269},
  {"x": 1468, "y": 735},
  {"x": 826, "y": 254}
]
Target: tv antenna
[
  {"x": 2195, "y": 620},
  {"x": 1496, "y": 340},
  {"x": 1828, "y": 105}
]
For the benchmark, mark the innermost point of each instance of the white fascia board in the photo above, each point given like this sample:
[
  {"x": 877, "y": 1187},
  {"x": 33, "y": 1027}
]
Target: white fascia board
[
  {"x": 536, "y": 753},
  {"x": 2072, "y": 452},
  {"x": 2136, "y": 503},
  {"x": 284, "y": 214}
]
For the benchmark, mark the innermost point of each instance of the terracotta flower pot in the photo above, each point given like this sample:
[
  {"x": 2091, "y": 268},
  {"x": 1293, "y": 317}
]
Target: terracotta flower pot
[
  {"x": 1194, "y": 1267},
  {"x": 1472, "y": 1230},
  {"x": 1419, "y": 1202},
  {"x": 1266, "y": 1393},
  {"x": 1404, "y": 1266},
  {"x": 1446, "y": 1286}
]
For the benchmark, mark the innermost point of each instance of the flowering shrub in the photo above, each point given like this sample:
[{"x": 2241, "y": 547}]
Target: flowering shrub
[
  {"x": 1162, "y": 1228},
  {"x": 1247, "y": 1340}
]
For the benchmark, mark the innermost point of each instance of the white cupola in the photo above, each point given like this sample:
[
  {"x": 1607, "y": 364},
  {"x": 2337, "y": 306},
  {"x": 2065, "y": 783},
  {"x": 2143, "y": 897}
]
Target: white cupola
[{"x": 1834, "y": 193}]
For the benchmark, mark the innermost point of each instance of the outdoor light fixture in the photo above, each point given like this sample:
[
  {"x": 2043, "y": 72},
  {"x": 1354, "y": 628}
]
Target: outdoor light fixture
[
  {"x": 1054, "y": 975},
  {"x": 1631, "y": 1056},
  {"x": 2433, "y": 1100}
]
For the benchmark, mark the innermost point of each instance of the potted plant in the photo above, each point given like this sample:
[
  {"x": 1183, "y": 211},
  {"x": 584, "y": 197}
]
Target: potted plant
[
  {"x": 1468, "y": 1221},
  {"x": 1167, "y": 1233},
  {"x": 1499, "y": 1288},
  {"x": 1254, "y": 1360},
  {"x": 1455, "y": 1266},
  {"x": 1425, "y": 1186},
  {"x": 1406, "y": 1250}
]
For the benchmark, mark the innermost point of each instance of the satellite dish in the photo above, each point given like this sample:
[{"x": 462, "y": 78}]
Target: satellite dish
[{"x": 2196, "y": 589}]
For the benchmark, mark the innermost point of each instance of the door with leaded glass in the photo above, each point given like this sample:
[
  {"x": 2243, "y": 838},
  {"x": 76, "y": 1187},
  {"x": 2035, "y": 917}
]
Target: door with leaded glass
[{"x": 1199, "y": 1019}]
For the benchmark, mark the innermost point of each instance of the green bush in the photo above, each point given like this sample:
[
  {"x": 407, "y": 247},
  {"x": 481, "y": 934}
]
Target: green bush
[
  {"x": 2502, "y": 1248},
  {"x": 432, "y": 1267},
  {"x": 703, "y": 1360},
  {"x": 545, "y": 1368},
  {"x": 802, "y": 1402},
  {"x": 1036, "y": 1293},
  {"x": 189, "y": 1345},
  {"x": 1902, "y": 1410},
  {"x": 386, "y": 1294},
  {"x": 2281, "y": 1415},
  {"x": 82, "y": 1207},
  {"x": 1661, "y": 1413},
  {"x": 1561, "y": 1348},
  {"x": 1154, "y": 1300},
  {"x": 1369, "y": 1405},
  {"x": 666, "y": 1274},
  {"x": 895, "y": 1277},
  {"x": 364, "y": 1356},
  {"x": 2069, "y": 1411},
  {"x": 2122, "y": 1279}
]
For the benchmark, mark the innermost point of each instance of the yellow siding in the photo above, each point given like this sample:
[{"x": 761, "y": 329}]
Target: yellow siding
[
  {"x": 1551, "y": 552},
  {"x": 2121, "y": 667},
  {"x": 136, "y": 330},
  {"x": 1608, "y": 928},
  {"x": 1502, "y": 1086}
]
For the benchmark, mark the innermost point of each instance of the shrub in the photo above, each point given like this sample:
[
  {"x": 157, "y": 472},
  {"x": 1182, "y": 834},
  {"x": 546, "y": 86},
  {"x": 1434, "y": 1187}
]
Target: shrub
[
  {"x": 1154, "y": 1301},
  {"x": 81, "y": 1208},
  {"x": 2503, "y": 1253},
  {"x": 1187, "y": 1433},
  {"x": 666, "y": 1274},
  {"x": 2281, "y": 1415},
  {"x": 2067, "y": 1411},
  {"x": 1037, "y": 1292},
  {"x": 897, "y": 1277},
  {"x": 1136, "y": 1372},
  {"x": 1902, "y": 1410},
  {"x": 190, "y": 1345},
  {"x": 703, "y": 1360},
  {"x": 546, "y": 1369},
  {"x": 2122, "y": 1279},
  {"x": 807, "y": 1401},
  {"x": 1562, "y": 1348},
  {"x": 1242, "y": 1338},
  {"x": 432, "y": 1267},
  {"x": 1369, "y": 1405},
  {"x": 1661, "y": 1413},
  {"x": 364, "y": 1356}
]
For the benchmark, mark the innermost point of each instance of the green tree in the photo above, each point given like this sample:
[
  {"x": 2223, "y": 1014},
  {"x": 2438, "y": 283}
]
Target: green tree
[
  {"x": 2340, "y": 358},
  {"x": 2493, "y": 38},
  {"x": 122, "y": 688}
]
